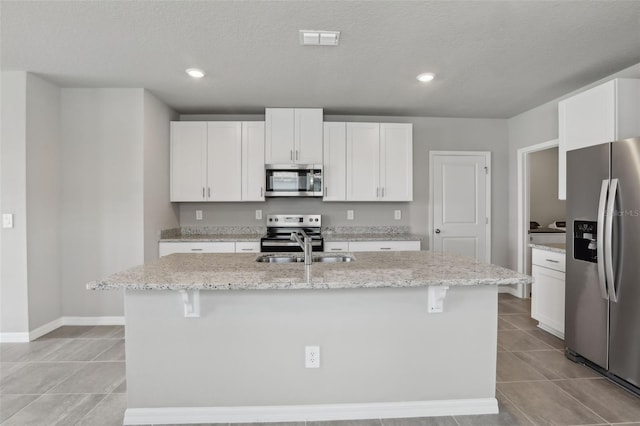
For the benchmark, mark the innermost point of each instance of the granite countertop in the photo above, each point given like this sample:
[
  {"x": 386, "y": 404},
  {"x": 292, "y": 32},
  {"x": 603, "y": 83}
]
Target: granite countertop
[
  {"x": 553, "y": 247},
  {"x": 232, "y": 271},
  {"x": 213, "y": 238},
  {"x": 547, "y": 231}
]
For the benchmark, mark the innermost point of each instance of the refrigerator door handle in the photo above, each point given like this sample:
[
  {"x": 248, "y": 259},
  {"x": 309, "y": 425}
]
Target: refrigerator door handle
[
  {"x": 608, "y": 240},
  {"x": 600, "y": 241}
]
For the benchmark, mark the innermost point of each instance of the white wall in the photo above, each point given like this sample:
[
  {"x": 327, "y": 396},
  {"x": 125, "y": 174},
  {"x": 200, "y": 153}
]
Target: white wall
[
  {"x": 13, "y": 266},
  {"x": 533, "y": 127},
  {"x": 428, "y": 134},
  {"x": 43, "y": 195},
  {"x": 159, "y": 213},
  {"x": 102, "y": 194},
  {"x": 545, "y": 207}
]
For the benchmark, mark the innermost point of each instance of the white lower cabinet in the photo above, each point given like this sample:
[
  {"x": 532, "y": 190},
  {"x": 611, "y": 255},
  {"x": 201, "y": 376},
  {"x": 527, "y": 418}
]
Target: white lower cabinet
[
  {"x": 247, "y": 247},
  {"x": 547, "y": 291},
  {"x": 166, "y": 248},
  {"x": 336, "y": 246},
  {"x": 355, "y": 246}
]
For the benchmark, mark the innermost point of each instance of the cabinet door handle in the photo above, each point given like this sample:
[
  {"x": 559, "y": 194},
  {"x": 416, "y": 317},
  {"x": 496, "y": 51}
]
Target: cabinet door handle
[
  {"x": 336, "y": 249},
  {"x": 297, "y": 155},
  {"x": 325, "y": 191},
  {"x": 552, "y": 261},
  {"x": 385, "y": 248},
  {"x": 209, "y": 192},
  {"x": 203, "y": 192},
  {"x": 291, "y": 154},
  {"x": 246, "y": 249},
  {"x": 377, "y": 192},
  {"x": 195, "y": 249},
  {"x": 383, "y": 192},
  {"x": 261, "y": 192}
]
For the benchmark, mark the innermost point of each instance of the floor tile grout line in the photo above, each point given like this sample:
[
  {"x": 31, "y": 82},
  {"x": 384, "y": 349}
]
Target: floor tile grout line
[
  {"x": 579, "y": 402},
  {"x": 34, "y": 400},
  {"x": 109, "y": 348},
  {"x": 94, "y": 407},
  {"x": 516, "y": 406}
]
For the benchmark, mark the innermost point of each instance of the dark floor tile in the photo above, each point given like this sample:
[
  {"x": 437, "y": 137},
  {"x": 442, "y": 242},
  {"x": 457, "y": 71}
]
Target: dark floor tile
[
  {"x": 511, "y": 308},
  {"x": 510, "y": 368},
  {"x": 55, "y": 410},
  {"x": 114, "y": 353},
  {"x": 122, "y": 387},
  {"x": 371, "y": 422},
  {"x": 104, "y": 332},
  {"x": 519, "y": 340},
  {"x": 554, "y": 365},
  {"x": 504, "y": 325},
  {"x": 108, "y": 412},
  {"x": 547, "y": 404},
  {"x": 521, "y": 321},
  {"x": 547, "y": 338},
  {"x": 93, "y": 377},
  {"x": 609, "y": 401},
  {"x": 37, "y": 378},
  {"x": 509, "y": 415},
  {"x": 67, "y": 332},
  {"x": 11, "y": 404},
  {"x": 81, "y": 350}
]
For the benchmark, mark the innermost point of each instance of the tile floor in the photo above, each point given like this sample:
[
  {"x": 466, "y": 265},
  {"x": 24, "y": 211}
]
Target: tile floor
[{"x": 76, "y": 376}]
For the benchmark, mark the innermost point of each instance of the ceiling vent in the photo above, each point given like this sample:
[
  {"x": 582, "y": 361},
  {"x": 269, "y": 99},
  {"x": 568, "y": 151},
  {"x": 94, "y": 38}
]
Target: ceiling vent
[{"x": 319, "y": 38}]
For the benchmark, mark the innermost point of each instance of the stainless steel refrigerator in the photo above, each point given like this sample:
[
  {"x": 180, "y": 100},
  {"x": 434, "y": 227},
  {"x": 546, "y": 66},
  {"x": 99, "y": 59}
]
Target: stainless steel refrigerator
[{"x": 602, "y": 304}]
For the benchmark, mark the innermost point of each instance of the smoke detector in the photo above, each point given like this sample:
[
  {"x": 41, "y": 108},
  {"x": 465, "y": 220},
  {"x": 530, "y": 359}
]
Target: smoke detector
[{"x": 319, "y": 38}]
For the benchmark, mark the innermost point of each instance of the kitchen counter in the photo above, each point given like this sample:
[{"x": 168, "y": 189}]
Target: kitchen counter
[
  {"x": 392, "y": 331},
  {"x": 214, "y": 238},
  {"x": 331, "y": 237},
  {"x": 547, "y": 231},
  {"x": 221, "y": 271},
  {"x": 552, "y": 247}
]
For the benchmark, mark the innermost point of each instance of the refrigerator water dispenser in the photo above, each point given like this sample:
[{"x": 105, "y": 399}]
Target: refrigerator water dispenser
[{"x": 585, "y": 240}]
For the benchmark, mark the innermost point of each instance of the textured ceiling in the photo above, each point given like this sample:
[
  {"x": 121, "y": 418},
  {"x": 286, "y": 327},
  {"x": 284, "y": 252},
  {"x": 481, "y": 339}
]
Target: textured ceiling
[{"x": 492, "y": 59}]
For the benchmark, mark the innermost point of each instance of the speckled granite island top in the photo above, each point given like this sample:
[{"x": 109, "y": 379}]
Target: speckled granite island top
[
  {"x": 552, "y": 247},
  {"x": 222, "y": 271}
]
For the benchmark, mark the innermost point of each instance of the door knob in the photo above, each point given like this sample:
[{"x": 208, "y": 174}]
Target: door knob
[{"x": 437, "y": 231}]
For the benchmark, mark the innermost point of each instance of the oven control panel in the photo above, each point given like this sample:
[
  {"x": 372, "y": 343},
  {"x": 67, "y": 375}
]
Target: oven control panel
[{"x": 295, "y": 220}]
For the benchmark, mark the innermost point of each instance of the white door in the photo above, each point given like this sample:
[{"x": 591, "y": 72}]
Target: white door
[
  {"x": 363, "y": 161},
  {"x": 396, "y": 162},
  {"x": 308, "y": 135},
  {"x": 279, "y": 135},
  {"x": 460, "y": 200},
  {"x": 334, "y": 170},
  {"x": 253, "y": 178},
  {"x": 188, "y": 160},
  {"x": 224, "y": 160}
]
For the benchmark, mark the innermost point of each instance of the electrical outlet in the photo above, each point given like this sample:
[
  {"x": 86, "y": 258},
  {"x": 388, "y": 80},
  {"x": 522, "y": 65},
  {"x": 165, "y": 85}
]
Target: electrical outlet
[
  {"x": 397, "y": 214},
  {"x": 198, "y": 214},
  {"x": 349, "y": 214},
  {"x": 258, "y": 214},
  {"x": 312, "y": 357},
  {"x": 7, "y": 220}
]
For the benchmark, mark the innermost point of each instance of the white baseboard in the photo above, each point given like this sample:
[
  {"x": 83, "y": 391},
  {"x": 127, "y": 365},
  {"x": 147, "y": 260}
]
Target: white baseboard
[
  {"x": 56, "y": 323},
  {"x": 316, "y": 412},
  {"x": 550, "y": 330}
]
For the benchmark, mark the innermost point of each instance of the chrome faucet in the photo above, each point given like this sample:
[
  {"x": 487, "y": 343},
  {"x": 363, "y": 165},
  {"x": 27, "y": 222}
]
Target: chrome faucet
[{"x": 305, "y": 245}]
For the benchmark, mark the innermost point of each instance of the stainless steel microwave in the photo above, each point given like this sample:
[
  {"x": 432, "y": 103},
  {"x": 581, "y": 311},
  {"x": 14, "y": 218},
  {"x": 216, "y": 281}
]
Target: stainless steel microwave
[{"x": 293, "y": 180}]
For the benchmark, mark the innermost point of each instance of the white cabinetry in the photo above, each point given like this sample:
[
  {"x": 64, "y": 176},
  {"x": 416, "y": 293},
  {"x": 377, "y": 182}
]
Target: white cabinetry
[
  {"x": 293, "y": 135},
  {"x": 166, "y": 248},
  {"x": 334, "y": 170},
  {"x": 247, "y": 247},
  {"x": 547, "y": 291},
  {"x": 355, "y": 246},
  {"x": 379, "y": 162},
  {"x": 605, "y": 113},
  {"x": 217, "y": 161}
]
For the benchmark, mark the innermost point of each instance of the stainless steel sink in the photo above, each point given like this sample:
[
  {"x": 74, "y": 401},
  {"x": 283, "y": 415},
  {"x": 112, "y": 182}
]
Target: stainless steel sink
[{"x": 276, "y": 258}]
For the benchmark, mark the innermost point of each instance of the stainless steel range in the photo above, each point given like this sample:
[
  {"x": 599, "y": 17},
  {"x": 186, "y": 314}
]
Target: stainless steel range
[{"x": 281, "y": 226}]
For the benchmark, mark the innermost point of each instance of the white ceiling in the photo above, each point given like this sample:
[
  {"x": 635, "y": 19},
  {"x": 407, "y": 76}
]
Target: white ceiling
[{"x": 492, "y": 58}]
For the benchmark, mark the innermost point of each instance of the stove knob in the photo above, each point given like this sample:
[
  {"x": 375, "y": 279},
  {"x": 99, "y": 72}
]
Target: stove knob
[
  {"x": 276, "y": 219},
  {"x": 316, "y": 219},
  {"x": 270, "y": 220}
]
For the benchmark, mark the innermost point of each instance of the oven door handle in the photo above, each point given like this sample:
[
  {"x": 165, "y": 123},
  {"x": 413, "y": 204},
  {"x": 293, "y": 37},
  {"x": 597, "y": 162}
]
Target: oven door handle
[{"x": 286, "y": 243}]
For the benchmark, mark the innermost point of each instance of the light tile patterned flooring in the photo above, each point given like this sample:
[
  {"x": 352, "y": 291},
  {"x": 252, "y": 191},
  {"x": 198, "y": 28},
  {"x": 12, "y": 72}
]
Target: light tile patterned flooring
[{"x": 76, "y": 376}]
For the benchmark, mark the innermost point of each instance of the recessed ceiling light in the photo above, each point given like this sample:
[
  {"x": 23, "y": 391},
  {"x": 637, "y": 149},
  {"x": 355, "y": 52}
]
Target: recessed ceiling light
[
  {"x": 195, "y": 72},
  {"x": 426, "y": 76}
]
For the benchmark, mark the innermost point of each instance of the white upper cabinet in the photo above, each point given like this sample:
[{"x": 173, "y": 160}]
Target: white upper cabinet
[
  {"x": 396, "y": 162},
  {"x": 188, "y": 160},
  {"x": 224, "y": 157},
  {"x": 253, "y": 161},
  {"x": 217, "y": 161},
  {"x": 605, "y": 113},
  {"x": 334, "y": 170},
  {"x": 379, "y": 162},
  {"x": 293, "y": 136}
]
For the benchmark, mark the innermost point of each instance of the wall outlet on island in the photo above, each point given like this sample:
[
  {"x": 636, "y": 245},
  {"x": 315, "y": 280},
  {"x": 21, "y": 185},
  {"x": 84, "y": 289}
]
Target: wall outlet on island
[
  {"x": 349, "y": 214},
  {"x": 312, "y": 357},
  {"x": 397, "y": 214},
  {"x": 258, "y": 214},
  {"x": 198, "y": 214}
]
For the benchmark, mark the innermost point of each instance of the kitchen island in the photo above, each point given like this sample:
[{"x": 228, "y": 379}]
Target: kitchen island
[{"x": 221, "y": 337}]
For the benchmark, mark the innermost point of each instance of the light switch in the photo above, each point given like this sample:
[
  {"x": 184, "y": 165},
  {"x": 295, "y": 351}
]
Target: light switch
[
  {"x": 7, "y": 220},
  {"x": 198, "y": 214}
]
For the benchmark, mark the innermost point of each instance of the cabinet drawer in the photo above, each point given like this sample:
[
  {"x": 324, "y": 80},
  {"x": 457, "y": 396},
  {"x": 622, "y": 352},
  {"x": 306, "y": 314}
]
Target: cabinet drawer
[
  {"x": 548, "y": 259},
  {"x": 336, "y": 246},
  {"x": 247, "y": 247},
  {"x": 197, "y": 247},
  {"x": 384, "y": 246}
]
